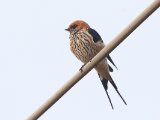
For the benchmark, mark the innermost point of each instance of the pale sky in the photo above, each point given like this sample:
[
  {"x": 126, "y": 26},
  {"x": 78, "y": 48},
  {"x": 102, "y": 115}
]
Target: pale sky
[{"x": 35, "y": 60}]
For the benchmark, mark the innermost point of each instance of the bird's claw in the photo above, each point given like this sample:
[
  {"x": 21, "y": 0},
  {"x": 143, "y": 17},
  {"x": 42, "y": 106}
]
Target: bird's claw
[{"x": 82, "y": 68}]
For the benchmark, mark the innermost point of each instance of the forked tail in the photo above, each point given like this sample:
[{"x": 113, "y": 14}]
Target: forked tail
[{"x": 105, "y": 85}]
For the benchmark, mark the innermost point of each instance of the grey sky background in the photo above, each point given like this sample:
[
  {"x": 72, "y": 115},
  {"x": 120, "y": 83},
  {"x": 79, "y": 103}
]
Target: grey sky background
[{"x": 35, "y": 60}]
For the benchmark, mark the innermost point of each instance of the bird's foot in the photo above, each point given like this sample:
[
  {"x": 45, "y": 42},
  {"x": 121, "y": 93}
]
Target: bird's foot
[{"x": 82, "y": 68}]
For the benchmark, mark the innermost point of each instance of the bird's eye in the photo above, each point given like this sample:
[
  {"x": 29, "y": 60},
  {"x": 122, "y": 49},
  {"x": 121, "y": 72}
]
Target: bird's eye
[{"x": 74, "y": 26}]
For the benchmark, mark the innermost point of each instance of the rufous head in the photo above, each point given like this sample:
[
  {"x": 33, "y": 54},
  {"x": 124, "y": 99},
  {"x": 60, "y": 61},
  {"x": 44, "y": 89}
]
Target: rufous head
[{"x": 77, "y": 25}]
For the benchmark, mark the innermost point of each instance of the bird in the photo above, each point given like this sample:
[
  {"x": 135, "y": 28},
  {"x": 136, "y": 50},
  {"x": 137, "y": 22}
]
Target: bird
[{"x": 85, "y": 43}]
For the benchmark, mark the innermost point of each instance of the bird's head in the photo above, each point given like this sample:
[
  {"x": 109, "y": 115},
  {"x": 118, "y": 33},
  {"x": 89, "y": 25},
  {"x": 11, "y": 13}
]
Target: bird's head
[{"x": 77, "y": 25}]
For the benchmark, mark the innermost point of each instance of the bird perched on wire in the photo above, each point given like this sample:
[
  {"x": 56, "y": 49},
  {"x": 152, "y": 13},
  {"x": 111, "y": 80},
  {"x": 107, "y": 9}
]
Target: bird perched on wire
[{"x": 85, "y": 43}]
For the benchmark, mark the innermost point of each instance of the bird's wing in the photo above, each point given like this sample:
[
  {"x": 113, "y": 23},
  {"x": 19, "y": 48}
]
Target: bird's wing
[
  {"x": 97, "y": 39},
  {"x": 110, "y": 68},
  {"x": 110, "y": 59},
  {"x": 95, "y": 35}
]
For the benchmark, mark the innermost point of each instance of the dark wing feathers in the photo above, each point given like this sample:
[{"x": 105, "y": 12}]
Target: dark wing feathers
[
  {"x": 97, "y": 38},
  {"x": 95, "y": 35},
  {"x": 110, "y": 68},
  {"x": 110, "y": 59}
]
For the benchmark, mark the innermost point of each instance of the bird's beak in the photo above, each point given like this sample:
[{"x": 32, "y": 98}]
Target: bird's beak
[{"x": 67, "y": 29}]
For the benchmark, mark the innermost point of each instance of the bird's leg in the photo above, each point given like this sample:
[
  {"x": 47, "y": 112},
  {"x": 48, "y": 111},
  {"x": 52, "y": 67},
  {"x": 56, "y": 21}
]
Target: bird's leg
[{"x": 82, "y": 67}]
